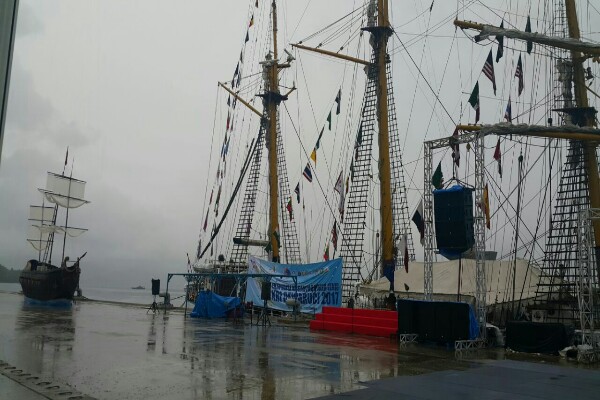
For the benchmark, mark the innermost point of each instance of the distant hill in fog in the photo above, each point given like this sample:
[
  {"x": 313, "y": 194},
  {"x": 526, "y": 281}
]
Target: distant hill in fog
[{"x": 9, "y": 275}]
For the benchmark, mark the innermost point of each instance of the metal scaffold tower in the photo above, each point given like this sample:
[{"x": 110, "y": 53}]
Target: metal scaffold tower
[
  {"x": 477, "y": 139},
  {"x": 587, "y": 285}
]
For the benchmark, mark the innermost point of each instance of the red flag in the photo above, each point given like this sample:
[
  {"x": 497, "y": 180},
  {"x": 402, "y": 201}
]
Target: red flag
[
  {"x": 498, "y": 157},
  {"x": 334, "y": 235}
]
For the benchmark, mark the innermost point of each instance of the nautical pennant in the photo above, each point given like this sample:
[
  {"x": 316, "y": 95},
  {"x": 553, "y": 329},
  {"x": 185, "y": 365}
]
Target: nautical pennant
[
  {"x": 237, "y": 70},
  {"x": 211, "y": 197},
  {"x": 438, "y": 177},
  {"x": 218, "y": 196},
  {"x": 251, "y": 21},
  {"x": 488, "y": 70},
  {"x": 508, "y": 112},
  {"x": 289, "y": 208},
  {"x": 417, "y": 218},
  {"x": 205, "y": 221},
  {"x": 528, "y": 30},
  {"x": 347, "y": 184},
  {"x": 229, "y": 100},
  {"x": 313, "y": 155},
  {"x": 189, "y": 262},
  {"x": 256, "y": 4},
  {"x": 474, "y": 101},
  {"x": 338, "y": 100},
  {"x": 67, "y": 156},
  {"x": 307, "y": 172},
  {"x": 498, "y": 157},
  {"x": 329, "y": 120},
  {"x": 500, "y": 40},
  {"x": 319, "y": 138},
  {"x": 339, "y": 184},
  {"x": 486, "y": 206},
  {"x": 276, "y": 235},
  {"x": 519, "y": 75},
  {"x": 339, "y": 187},
  {"x": 228, "y": 120},
  {"x": 326, "y": 254},
  {"x": 455, "y": 148},
  {"x": 247, "y": 36},
  {"x": 297, "y": 191},
  {"x": 334, "y": 235}
]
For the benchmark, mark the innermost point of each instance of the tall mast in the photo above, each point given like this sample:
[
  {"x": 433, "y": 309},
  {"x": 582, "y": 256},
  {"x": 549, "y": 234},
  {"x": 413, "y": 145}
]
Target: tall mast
[
  {"x": 272, "y": 98},
  {"x": 382, "y": 33},
  {"x": 591, "y": 161}
]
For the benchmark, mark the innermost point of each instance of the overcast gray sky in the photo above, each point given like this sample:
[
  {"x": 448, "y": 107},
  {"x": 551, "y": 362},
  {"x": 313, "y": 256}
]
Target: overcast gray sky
[{"x": 130, "y": 87}]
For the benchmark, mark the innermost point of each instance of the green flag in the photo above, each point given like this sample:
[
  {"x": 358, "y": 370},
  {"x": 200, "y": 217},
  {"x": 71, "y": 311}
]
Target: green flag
[
  {"x": 329, "y": 120},
  {"x": 438, "y": 178},
  {"x": 474, "y": 101}
]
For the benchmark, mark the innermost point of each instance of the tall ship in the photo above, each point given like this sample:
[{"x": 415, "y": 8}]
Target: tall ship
[
  {"x": 502, "y": 113},
  {"x": 40, "y": 279}
]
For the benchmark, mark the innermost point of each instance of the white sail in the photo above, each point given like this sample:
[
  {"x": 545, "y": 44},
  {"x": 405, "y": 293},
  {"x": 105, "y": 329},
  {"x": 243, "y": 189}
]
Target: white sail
[
  {"x": 63, "y": 201},
  {"x": 38, "y": 238},
  {"x": 65, "y": 186},
  {"x": 71, "y": 231},
  {"x": 41, "y": 214}
]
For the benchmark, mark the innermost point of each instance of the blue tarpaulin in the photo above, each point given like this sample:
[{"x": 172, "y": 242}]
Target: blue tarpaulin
[{"x": 211, "y": 305}]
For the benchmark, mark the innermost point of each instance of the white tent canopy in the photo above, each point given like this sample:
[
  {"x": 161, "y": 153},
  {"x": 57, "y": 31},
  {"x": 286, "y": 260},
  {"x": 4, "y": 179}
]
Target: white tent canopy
[{"x": 445, "y": 280}]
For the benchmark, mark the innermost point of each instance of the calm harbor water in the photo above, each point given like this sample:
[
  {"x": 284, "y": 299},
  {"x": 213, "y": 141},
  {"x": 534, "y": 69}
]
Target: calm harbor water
[{"x": 118, "y": 295}]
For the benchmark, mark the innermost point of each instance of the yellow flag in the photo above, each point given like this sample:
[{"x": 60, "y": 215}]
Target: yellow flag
[
  {"x": 313, "y": 156},
  {"x": 486, "y": 205}
]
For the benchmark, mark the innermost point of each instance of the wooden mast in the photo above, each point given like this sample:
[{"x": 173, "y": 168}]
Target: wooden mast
[
  {"x": 382, "y": 33},
  {"x": 272, "y": 100},
  {"x": 591, "y": 163}
]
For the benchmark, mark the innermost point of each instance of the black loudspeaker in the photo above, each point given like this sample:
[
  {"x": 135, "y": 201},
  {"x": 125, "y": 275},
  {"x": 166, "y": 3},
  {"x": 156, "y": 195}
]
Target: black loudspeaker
[
  {"x": 453, "y": 209},
  {"x": 155, "y": 287},
  {"x": 437, "y": 321},
  {"x": 536, "y": 337},
  {"x": 265, "y": 291}
]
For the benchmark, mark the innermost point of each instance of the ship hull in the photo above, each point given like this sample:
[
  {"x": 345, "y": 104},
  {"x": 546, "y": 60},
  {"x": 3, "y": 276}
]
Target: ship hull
[{"x": 59, "y": 283}]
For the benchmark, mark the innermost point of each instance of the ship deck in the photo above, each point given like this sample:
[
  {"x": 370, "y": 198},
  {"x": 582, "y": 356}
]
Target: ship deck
[{"x": 108, "y": 351}]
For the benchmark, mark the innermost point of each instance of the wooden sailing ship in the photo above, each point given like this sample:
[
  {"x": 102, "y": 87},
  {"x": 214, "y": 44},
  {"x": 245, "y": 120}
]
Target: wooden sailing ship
[{"x": 41, "y": 279}]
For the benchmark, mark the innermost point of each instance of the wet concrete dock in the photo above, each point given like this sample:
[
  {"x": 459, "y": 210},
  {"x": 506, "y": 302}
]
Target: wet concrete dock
[{"x": 110, "y": 351}]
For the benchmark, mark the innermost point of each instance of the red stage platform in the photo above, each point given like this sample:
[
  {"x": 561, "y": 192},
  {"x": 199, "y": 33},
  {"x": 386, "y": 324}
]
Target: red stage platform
[{"x": 353, "y": 320}]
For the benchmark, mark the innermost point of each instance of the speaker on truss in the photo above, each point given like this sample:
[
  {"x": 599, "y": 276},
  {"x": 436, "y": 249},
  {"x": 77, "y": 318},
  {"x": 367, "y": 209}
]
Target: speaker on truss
[
  {"x": 265, "y": 291},
  {"x": 453, "y": 212},
  {"x": 155, "y": 287}
]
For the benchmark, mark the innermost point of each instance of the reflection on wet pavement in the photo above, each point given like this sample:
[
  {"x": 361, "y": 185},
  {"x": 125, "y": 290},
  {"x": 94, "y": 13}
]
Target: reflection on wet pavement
[{"x": 109, "y": 351}]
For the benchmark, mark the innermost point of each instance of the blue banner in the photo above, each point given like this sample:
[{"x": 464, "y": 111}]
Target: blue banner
[{"x": 319, "y": 284}]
